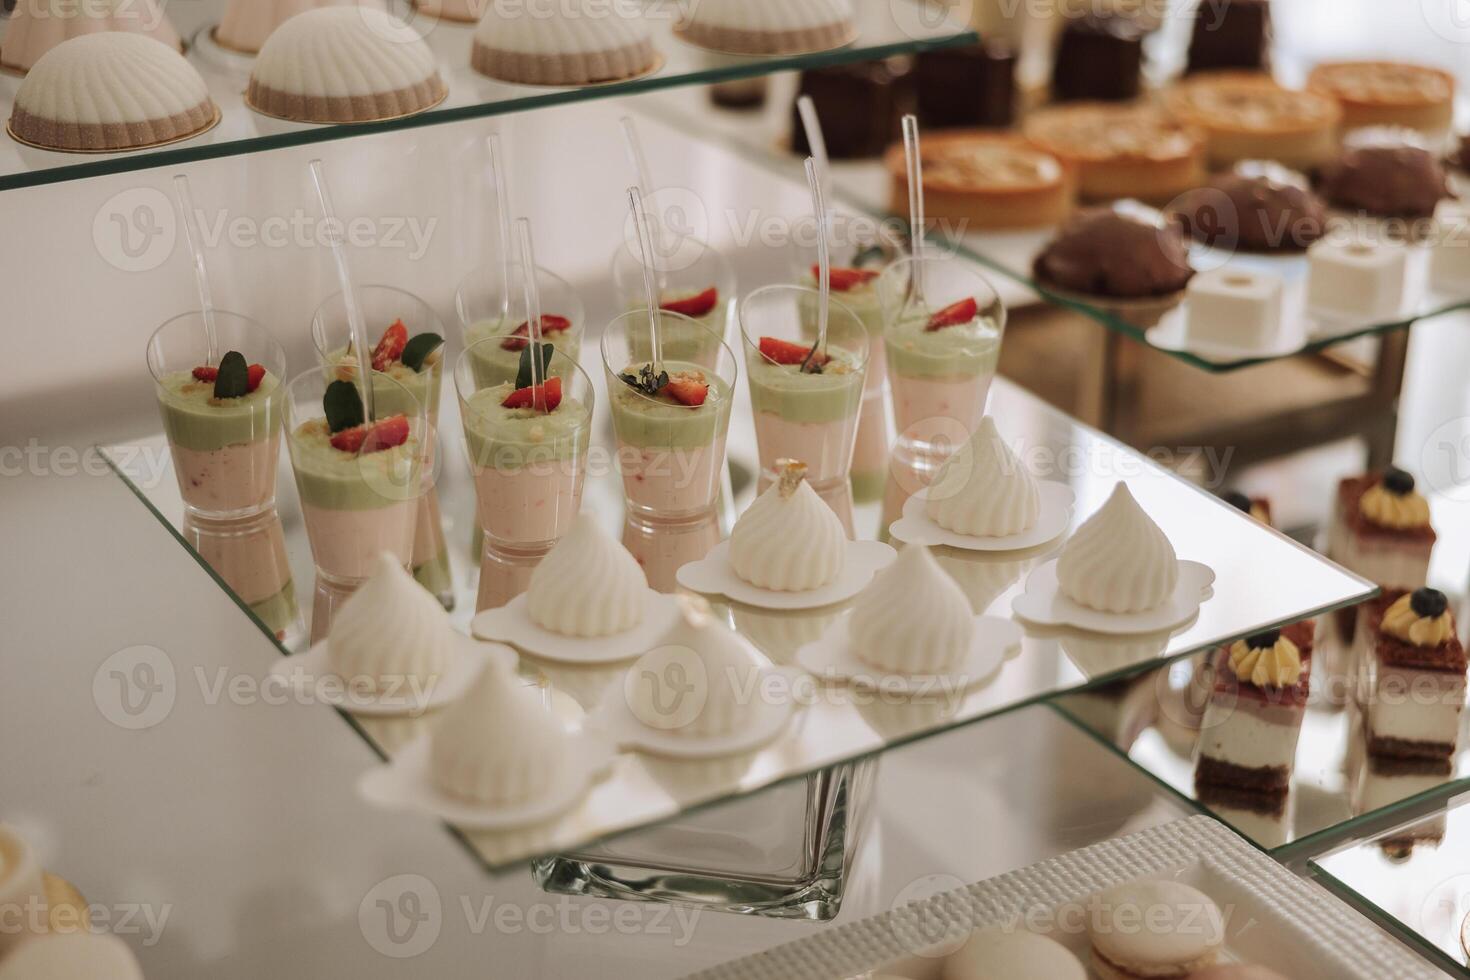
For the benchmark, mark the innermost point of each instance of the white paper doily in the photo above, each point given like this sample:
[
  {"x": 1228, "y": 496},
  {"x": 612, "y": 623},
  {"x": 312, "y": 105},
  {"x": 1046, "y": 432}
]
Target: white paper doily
[
  {"x": 1043, "y": 603},
  {"x": 714, "y": 576},
  {"x": 833, "y": 657},
  {"x": 915, "y": 527},
  {"x": 512, "y": 624}
]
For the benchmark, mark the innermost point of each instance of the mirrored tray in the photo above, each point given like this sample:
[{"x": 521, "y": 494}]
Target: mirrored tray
[{"x": 884, "y": 29}]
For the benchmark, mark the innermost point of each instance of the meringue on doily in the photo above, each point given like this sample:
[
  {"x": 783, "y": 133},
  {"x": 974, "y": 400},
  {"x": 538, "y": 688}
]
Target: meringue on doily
[
  {"x": 789, "y": 540},
  {"x": 391, "y": 631},
  {"x": 912, "y": 618},
  {"x": 1119, "y": 561},
  {"x": 984, "y": 490},
  {"x": 588, "y": 585}
]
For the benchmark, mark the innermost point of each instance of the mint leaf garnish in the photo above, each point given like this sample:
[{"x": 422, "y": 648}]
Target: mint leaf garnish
[
  {"x": 343, "y": 406},
  {"x": 646, "y": 381},
  {"x": 233, "y": 380},
  {"x": 419, "y": 348},
  {"x": 523, "y": 376}
]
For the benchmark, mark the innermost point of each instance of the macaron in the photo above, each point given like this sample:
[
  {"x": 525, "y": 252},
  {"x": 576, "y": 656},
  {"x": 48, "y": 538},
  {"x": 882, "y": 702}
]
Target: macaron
[
  {"x": 1154, "y": 930},
  {"x": 995, "y": 954},
  {"x": 1237, "y": 971}
]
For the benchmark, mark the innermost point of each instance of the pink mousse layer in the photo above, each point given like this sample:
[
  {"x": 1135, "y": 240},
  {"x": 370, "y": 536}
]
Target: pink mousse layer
[
  {"x": 234, "y": 479},
  {"x": 346, "y": 543},
  {"x": 428, "y": 535},
  {"x": 825, "y": 447},
  {"x": 671, "y": 483},
  {"x": 528, "y": 506},
  {"x": 927, "y": 409},
  {"x": 253, "y": 565}
]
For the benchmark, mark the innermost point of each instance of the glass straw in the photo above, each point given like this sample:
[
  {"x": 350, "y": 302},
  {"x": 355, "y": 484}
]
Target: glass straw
[
  {"x": 195, "y": 237},
  {"x": 650, "y": 288},
  {"x": 502, "y": 209},
  {"x": 916, "y": 204},
  {"x": 533, "y": 300},
  {"x": 349, "y": 295}
]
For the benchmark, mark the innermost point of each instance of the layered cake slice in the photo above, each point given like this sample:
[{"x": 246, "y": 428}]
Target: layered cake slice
[
  {"x": 1251, "y": 725},
  {"x": 1381, "y": 529},
  {"x": 1413, "y": 676}
]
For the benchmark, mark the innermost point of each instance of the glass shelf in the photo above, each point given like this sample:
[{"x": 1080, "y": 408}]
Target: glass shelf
[
  {"x": 885, "y": 29},
  {"x": 1414, "y": 880},
  {"x": 1264, "y": 579}
]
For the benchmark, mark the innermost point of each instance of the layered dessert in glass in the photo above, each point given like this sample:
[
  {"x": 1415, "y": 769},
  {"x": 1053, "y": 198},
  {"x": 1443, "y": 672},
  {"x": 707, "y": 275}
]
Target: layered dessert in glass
[
  {"x": 943, "y": 324},
  {"x": 695, "y": 283},
  {"x": 250, "y": 555},
  {"x": 408, "y": 348},
  {"x": 671, "y": 424},
  {"x": 1253, "y": 720},
  {"x": 805, "y": 398},
  {"x": 359, "y": 479},
  {"x": 224, "y": 432},
  {"x": 527, "y": 445},
  {"x": 488, "y": 309},
  {"x": 1413, "y": 676}
]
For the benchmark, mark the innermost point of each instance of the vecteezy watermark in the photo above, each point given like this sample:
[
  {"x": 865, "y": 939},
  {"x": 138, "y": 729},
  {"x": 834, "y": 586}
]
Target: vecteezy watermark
[
  {"x": 34, "y": 917},
  {"x": 135, "y": 688},
  {"x": 403, "y": 917},
  {"x": 925, "y": 928},
  {"x": 144, "y": 465},
  {"x": 1444, "y": 459},
  {"x": 136, "y": 230},
  {"x": 135, "y": 15}
]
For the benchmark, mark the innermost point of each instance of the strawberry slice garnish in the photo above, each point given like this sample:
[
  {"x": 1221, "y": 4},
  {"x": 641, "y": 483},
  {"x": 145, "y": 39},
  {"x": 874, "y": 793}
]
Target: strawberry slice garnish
[
  {"x": 545, "y": 397},
  {"x": 686, "y": 391},
  {"x": 697, "y": 305},
  {"x": 844, "y": 280},
  {"x": 955, "y": 314},
  {"x": 254, "y": 374},
  {"x": 785, "y": 352},
  {"x": 373, "y": 437},
  {"x": 517, "y": 339},
  {"x": 390, "y": 347},
  {"x": 206, "y": 374}
]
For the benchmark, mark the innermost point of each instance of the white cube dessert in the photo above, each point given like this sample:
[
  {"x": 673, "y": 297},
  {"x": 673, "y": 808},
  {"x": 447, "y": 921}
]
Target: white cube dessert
[
  {"x": 1449, "y": 259},
  {"x": 1232, "y": 308},
  {"x": 1356, "y": 279}
]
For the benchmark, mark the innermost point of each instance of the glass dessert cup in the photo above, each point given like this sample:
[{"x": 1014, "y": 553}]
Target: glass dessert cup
[
  {"x": 671, "y": 456},
  {"x": 225, "y": 451},
  {"x": 687, "y": 268},
  {"x": 529, "y": 465},
  {"x": 486, "y": 309},
  {"x": 663, "y": 547},
  {"x": 810, "y": 416},
  {"x": 940, "y": 375},
  {"x": 355, "y": 504},
  {"x": 250, "y": 555},
  {"x": 382, "y": 306}
]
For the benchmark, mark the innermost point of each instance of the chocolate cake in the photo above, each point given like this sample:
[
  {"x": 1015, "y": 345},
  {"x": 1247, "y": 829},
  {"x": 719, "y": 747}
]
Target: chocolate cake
[
  {"x": 1258, "y": 213},
  {"x": 1398, "y": 181},
  {"x": 972, "y": 86},
  {"x": 1099, "y": 57},
  {"x": 1231, "y": 34},
  {"x": 861, "y": 107},
  {"x": 1104, "y": 252}
]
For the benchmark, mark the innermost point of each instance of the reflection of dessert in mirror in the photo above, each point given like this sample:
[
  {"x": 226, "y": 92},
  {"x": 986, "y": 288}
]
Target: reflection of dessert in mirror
[
  {"x": 969, "y": 86},
  {"x": 1119, "y": 560},
  {"x": 788, "y": 540},
  {"x": 861, "y": 106},
  {"x": 37, "y": 26},
  {"x": 365, "y": 63},
  {"x": 1258, "y": 207},
  {"x": 1099, "y": 56},
  {"x": 111, "y": 91},
  {"x": 1413, "y": 675},
  {"x": 247, "y": 23},
  {"x": 574, "y": 42},
  {"x": 1257, "y": 507},
  {"x": 1120, "y": 151},
  {"x": 912, "y": 619},
  {"x": 1118, "y": 711},
  {"x": 986, "y": 180},
  {"x": 1096, "y": 654},
  {"x": 499, "y": 745},
  {"x": 1231, "y": 34},
  {"x": 1380, "y": 782},
  {"x": 1185, "y": 934},
  {"x": 1253, "y": 721},
  {"x": 1381, "y": 529},
  {"x": 1385, "y": 93},
  {"x": 588, "y": 585},
  {"x": 1386, "y": 180},
  {"x": 76, "y": 953},
  {"x": 1013, "y": 954},
  {"x": 983, "y": 489},
  {"x": 1246, "y": 116},
  {"x": 1113, "y": 253},
  {"x": 768, "y": 27},
  {"x": 391, "y": 637},
  {"x": 979, "y": 575},
  {"x": 661, "y": 548},
  {"x": 780, "y": 633},
  {"x": 1266, "y": 819},
  {"x": 250, "y": 556}
]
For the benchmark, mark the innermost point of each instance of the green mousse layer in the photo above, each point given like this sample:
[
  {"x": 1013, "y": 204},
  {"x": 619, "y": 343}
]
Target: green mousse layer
[
  {"x": 784, "y": 390},
  {"x": 662, "y": 423},
  {"x": 333, "y": 479},
  {"x": 423, "y": 385},
  {"x": 279, "y": 611},
  {"x": 863, "y": 300},
  {"x": 511, "y": 438},
  {"x": 195, "y": 419},
  {"x": 494, "y": 365},
  {"x": 682, "y": 340},
  {"x": 963, "y": 350}
]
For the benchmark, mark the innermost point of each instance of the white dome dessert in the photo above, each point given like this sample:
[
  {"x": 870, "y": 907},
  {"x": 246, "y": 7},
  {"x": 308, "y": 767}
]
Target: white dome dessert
[
  {"x": 391, "y": 633},
  {"x": 1119, "y": 561},
  {"x": 983, "y": 490},
  {"x": 698, "y": 681},
  {"x": 248, "y": 23},
  {"x": 912, "y": 619},
  {"x": 588, "y": 585},
  {"x": 37, "y": 26},
  {"x": 344, "y": 64},
  {"x": 572, "y": 42},
  {"x": 789, "y": 540},
  {"x": 72, "y": 956},
  {"x": 768, "y": 26},
  {"x": 111, "y": 91},
  {"x": 498, "y": 744}
]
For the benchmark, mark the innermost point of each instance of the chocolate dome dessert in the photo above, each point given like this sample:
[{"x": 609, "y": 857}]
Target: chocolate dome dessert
[
  {"x": 1107, "y": 252},
  {"x": 1387, "y": 181},
  {"x": 1255, "y": 208}
]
